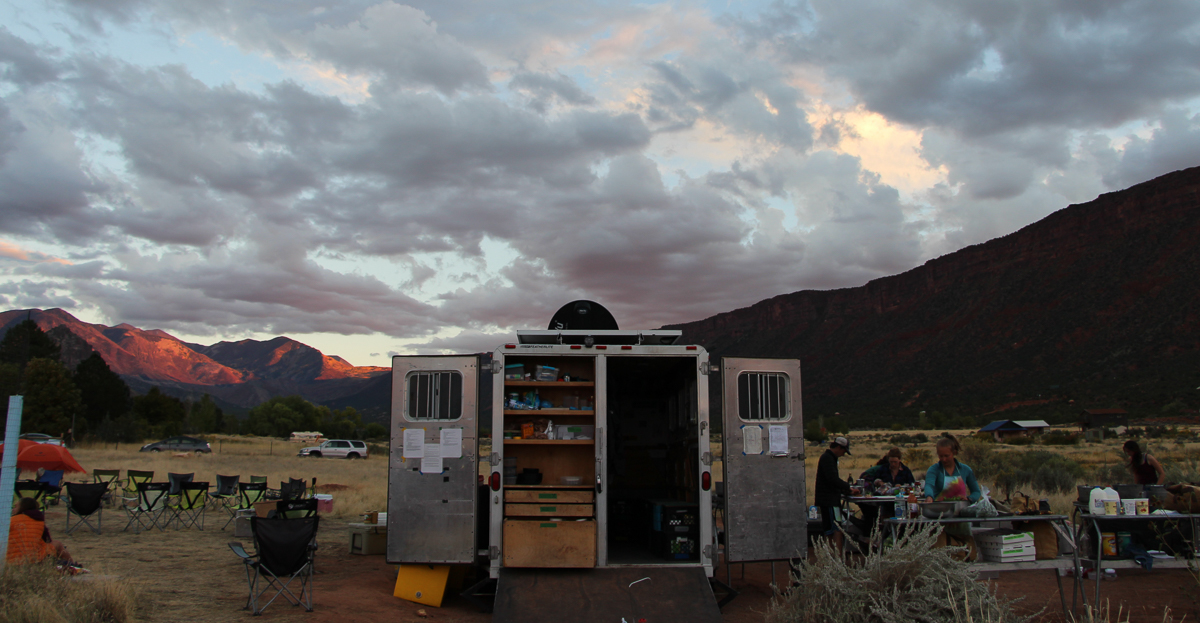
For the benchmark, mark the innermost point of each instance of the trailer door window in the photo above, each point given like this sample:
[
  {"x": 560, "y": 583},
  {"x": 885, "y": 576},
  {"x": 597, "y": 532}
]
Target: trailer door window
[
  {"x": 764, "y": 396},
  {"x": 434, "y": 396}
]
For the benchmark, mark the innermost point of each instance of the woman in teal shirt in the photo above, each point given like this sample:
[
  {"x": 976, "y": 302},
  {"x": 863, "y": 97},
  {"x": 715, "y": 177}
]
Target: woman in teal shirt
[{"x": 948, "y": 479}]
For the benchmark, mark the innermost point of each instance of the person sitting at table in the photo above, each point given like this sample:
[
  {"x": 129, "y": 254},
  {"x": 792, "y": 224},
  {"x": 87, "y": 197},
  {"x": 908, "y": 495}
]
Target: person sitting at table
[
  {"x": 889, "y": 470},
  {"x": 1146, "y": 469},
  {"x": 29, "y": 538},
  {"x": 949, "y": 479}
]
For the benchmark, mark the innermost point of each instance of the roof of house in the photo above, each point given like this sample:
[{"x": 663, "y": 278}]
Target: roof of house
[
  {"x": 1031, "y": 423},
  {"x": 1000, "y": 425}
]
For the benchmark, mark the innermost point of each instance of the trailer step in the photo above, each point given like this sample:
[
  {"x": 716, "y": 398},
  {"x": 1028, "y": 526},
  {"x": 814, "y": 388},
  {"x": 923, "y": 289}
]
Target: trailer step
[{"x": 652, "y": 594}]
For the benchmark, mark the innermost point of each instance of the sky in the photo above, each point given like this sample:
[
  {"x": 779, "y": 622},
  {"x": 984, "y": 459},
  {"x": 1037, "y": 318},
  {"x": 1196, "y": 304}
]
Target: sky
[{"x": 379, "y": 178}]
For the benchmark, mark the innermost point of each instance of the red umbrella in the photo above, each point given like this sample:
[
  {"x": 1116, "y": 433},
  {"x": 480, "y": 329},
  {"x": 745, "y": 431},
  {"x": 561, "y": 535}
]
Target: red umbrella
[{"x": 32, "y": 455}]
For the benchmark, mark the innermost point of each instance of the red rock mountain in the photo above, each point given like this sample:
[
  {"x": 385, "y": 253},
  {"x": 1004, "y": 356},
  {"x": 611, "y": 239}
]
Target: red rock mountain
[
  {"x": 241, "y": 374},
  {"x": 1097, "y": 303}
]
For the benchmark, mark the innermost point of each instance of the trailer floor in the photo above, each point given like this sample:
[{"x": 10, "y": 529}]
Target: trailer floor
[{"x": 649, "y": 595}]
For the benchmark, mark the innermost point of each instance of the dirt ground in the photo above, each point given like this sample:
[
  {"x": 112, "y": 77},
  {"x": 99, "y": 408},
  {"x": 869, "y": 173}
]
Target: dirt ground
[{"x": 192, "y": 575}]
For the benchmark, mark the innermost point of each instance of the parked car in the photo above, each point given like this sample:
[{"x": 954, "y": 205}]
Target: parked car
[
  {"x": 42, "y": 438},
  {"x": 181, "y": 443},
  {"x": 338, "y": 448}
]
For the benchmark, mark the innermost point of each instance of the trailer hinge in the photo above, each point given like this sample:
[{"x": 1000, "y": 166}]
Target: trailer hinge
[
  {"x": 706, "y": 458},
  {"x": 709, "y": 553},
  {"x": 495, "y": 459},
  {"x": 494, "y": 552},
  {"x": 495, "y": 367},
  {"x": 707, "y": 368}
]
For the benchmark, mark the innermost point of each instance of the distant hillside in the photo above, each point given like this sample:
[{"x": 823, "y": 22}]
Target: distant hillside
[
  {"x": 239, "y": 375},
  {"x": 1096, "y": 303}
]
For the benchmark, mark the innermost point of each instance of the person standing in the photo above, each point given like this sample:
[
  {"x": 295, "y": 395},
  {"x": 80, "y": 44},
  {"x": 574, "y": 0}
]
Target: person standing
[
  {"x": 1146, "y": 469},
  {"x": 949, "y": 479},
  {"x": 831, "y": 488}
]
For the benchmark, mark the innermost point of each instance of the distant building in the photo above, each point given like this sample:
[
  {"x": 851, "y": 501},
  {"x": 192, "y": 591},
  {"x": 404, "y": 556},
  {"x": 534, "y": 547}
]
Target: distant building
[
  {"x": 1103, "y": 418},
  {"x": 1005, "y": 429}
]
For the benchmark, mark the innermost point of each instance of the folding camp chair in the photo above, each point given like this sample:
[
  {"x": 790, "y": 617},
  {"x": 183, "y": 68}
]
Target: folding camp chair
[
  {"x": 130, "y": 498},
  {"x": 110, "y": 477},
  {"x": 284, "y": 549},
  {"x": 296, "y": 509},
  {"x": 249, "y": 494},
  {"x": 53, "y": 479},
  {"x": 292, "y": 489},
  {"x": 151, "y": 508},
  {"x": 175, "y": 480},
  {"x": 84, "y": 500},
  {"x": 32, "y": 489},
  {"x": 189, "y": 509},
  {"x": 227, "y": 490}
]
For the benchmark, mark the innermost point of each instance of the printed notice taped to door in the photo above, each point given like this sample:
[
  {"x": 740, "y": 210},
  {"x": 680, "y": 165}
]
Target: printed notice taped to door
[
  {"x": 779, "y": 441},
  {"x": 431, "y": 463},
  {"x": 414, "y": 443},
  {"x": 752, "y": 439},
  {"x": 451, "y": 443}
]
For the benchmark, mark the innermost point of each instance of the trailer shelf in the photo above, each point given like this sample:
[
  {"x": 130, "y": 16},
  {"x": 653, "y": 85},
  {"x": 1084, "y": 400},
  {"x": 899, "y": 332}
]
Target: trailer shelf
[
  {"x": 549, "y": 384},
  {"x": 579, "y": 412},
  {"x": 550, "y": 442}
]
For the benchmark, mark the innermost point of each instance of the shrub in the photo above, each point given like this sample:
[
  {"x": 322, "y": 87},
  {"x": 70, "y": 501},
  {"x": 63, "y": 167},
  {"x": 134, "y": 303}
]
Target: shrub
[
  {"x": 910, "y": 581},
  {"x": 1060, "y": 438},
  {"x": 813, "y": 432},
  {"x": 36, "y": 593},
  {"x": 1023, "y": 440},
  {"x": 918, "y": 459}
]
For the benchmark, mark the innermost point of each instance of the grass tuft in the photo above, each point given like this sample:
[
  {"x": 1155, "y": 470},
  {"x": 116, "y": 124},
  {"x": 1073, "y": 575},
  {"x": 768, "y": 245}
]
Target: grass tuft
[{"x": 38, "y": 593}]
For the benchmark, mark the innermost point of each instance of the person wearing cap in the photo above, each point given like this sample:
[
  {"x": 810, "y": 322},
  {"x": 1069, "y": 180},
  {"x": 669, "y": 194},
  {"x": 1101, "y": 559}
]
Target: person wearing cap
[{"x": 831, "y": 488}]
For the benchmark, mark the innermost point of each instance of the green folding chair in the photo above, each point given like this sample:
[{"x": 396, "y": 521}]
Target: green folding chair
[
  {"x": 188, "y": 509},
  {"x": 110, "y": 477},
  {"x": 249, "y": 494},
  {"x": 130, "y": 497}
]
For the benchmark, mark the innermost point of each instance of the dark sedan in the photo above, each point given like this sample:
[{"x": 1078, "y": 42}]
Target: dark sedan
[{"x": 179, "y": 444}]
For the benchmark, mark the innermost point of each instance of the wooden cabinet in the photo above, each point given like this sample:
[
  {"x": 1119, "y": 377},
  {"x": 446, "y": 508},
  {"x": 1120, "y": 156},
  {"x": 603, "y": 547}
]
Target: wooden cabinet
[{"x": 551, "y": 524}]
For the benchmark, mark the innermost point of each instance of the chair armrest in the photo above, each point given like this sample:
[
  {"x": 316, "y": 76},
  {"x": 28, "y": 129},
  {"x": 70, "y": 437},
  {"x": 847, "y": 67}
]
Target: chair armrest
[{"x": 240, "y": 551}]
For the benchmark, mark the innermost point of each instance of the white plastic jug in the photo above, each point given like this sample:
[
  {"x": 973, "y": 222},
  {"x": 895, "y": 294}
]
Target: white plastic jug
[{"x": 1096, "y": 501}]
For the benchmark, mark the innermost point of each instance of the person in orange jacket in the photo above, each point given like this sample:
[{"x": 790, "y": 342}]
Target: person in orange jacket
[{"x": 29, "y": 538}]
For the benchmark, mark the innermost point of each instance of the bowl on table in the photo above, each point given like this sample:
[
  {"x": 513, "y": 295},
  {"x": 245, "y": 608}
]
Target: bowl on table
[{"x": 941, "y": 510}]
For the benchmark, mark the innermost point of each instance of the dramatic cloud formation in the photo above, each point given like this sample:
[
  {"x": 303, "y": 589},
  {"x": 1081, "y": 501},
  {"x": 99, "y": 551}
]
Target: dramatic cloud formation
[{"x": 392, "y": 177}]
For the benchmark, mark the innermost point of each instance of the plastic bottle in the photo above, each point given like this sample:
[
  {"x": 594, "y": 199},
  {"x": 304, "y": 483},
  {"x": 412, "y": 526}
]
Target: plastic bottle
[
  {"x": 1111, "y": 495},
  {"x": 1096, "y": 501},
  {"x": 901, "y": 506},
  {"x": 913, "y": 509}
]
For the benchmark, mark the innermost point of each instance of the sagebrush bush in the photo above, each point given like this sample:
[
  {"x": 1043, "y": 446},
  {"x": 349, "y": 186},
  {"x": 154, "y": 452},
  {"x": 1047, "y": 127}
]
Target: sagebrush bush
[
  {"x": 910, "y": 581},
  {"x": 39, "y": 593}
]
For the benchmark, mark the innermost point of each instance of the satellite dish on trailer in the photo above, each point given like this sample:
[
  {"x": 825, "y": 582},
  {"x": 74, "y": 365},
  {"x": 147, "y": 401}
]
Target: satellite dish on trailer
[{"x": 583, "y": 315}]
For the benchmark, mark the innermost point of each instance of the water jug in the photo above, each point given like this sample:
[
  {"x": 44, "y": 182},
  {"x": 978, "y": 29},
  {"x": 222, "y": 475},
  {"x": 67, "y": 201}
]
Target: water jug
[
  {"x": 1112, "y": 501},
  {"x": 1096, "y": 501}
]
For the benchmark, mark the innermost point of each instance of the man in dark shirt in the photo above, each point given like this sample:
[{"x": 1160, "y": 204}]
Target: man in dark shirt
[{"x": 831, "y": 488}]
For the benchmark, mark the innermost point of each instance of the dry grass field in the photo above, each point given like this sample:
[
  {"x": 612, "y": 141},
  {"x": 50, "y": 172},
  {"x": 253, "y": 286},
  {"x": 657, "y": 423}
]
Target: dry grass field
[{"x": 191, "y": 575}]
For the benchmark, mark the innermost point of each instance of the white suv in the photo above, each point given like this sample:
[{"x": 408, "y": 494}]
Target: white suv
[{"x": 338, "y": 449}]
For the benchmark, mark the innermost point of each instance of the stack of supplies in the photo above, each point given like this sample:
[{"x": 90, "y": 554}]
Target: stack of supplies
[{"x": 1006, "y": 546}]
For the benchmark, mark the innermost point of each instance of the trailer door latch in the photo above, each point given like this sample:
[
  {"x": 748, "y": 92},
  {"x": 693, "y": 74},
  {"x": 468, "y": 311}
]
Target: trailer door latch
[
  {"x": 707, "y": 368},
  {"x": 495, "y": 459},
  {"x": 706, "y": 458},
  {"x": 495, "y": 367},
  {"x": 708, "y": 551},
  {"x": 494, "y": 552}
]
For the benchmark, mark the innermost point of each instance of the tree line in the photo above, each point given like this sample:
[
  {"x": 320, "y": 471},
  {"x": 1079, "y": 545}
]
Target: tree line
[{"x": 94, "y": 402}]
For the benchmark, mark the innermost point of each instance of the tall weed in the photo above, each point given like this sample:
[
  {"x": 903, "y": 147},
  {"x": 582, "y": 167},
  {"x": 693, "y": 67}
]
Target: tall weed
[{"x": 38, "y": 593}]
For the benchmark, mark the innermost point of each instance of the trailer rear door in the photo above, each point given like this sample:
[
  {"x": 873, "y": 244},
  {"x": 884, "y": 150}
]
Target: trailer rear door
[
  {"x": 763, "y": 456},
  {"x": 431, "y": 507}
]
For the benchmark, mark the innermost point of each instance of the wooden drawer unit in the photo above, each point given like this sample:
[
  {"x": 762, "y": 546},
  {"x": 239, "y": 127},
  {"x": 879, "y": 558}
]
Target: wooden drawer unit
[
  {"x": 533, "y": 543},
  {"x": 548, "y": 510},
  {"x": 555, "y": 496}
]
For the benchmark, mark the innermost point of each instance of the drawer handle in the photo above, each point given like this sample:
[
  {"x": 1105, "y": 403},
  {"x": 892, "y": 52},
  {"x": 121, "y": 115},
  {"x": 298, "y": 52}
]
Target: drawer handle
[
  {"x": 549, "y": 509},
  {"x": 547, "y": 496},
  {"x": 549, "y": 525}
]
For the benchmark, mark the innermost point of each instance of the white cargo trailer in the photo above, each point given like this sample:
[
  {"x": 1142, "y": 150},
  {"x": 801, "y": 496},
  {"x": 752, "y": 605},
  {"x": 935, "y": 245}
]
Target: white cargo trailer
[{"x": 601, "y": 455}]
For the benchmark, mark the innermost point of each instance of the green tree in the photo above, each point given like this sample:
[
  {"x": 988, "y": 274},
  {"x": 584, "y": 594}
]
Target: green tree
[
  {"x": 205, "y": 416},
  {"x": 23, "y": 343},
  {"x": 282, "y": 415},
  {"x": 161, "y": 415},
  {"x": 51, "y": 398},
  {"x": 375, "y": 430},
  {"x": 813, "y": 432},
  {"x": 10, "y": 380},
  {"x": 104, "y": 393}
]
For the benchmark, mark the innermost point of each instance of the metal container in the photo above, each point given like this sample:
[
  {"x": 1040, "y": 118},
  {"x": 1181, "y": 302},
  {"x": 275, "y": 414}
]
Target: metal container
[
  {"x": 1084, "y": 492},
  {"x": 1129, "y": 491},
  {"x": 241, "y": 523},
  {"x": 939, "y": 510},
  {"x": 1156, "y": 492}
]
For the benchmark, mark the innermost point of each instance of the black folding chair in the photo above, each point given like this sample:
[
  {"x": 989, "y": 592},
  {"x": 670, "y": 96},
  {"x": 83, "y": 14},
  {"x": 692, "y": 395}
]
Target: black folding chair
[
  {"x": 292, "y": 490},
  {"x": 284, "y": 553},
  {"x": 227, "y": 490},
  {"x": 151, "y": 508},
  {"x": 32, "y": 489},
  {"x": 249, "y": 494},
  {"x": 189, "y": 510},
  {"x": 83, "y": 501},
  {"x": 296, "y": 509},
  {"x": 176, "y": 480}
]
